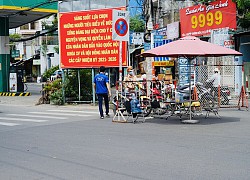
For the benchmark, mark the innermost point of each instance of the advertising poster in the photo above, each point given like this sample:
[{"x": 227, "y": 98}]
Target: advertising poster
[
  {"x": 238, "y": 75},
  {"x": 183, "y": 71},
  {"x": 86, "y": 40},
  {"x": 13, "y": 82},
  {"x": 200, "y": 19},
  {"x": 185, "y": 74}
]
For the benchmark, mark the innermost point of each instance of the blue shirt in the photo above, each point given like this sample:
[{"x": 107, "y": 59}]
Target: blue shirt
[{"x": 100, "y": 81}]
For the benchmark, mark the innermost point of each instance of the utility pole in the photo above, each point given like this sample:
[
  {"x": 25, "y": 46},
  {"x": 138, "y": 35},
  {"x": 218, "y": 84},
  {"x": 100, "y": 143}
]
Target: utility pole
[
  {"x": 172, "y": 11},
  {"x": 4, "y": 54}
]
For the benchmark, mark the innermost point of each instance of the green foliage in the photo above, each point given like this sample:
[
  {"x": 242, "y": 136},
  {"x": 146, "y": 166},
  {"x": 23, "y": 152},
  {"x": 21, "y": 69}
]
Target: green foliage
[
  {"x": 15, "y": 36},
  {"x": 49, "y": 72},
  {"x": 53, "y": 25},
  {"x": 57, "y": 97},
  {"x": 243, "y": 7},
  {"x": 72, "y": 88},
  {"x": 136, "y": 24},
  {"x": 54, "y": 91},
  {"x": 56, "y": 49},
  {"x": 44, "y": 48}
]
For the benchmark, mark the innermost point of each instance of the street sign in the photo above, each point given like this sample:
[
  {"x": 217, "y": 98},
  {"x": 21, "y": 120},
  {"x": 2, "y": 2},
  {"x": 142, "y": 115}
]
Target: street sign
[
  {"x": 15, "y": 53},
  {"x": 120, "y": 25}
]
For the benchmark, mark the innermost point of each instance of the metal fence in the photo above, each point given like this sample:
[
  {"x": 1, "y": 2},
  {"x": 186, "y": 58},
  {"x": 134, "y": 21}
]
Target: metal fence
[{"x": 228, "y": 93}]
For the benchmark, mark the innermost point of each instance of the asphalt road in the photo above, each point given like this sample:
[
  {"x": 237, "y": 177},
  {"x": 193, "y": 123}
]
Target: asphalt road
[{"x": 71, "y": 142}]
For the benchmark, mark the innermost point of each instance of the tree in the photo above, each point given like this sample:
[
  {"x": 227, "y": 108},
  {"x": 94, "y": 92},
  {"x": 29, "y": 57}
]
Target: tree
[
  {"x": 136, "y": 24},
  {"x": 14, "y": 37},
  {"x": 243, "y": 7}
]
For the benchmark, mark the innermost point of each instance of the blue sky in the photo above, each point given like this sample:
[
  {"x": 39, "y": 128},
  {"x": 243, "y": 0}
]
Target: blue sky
[{"x": 134, "y": 7}]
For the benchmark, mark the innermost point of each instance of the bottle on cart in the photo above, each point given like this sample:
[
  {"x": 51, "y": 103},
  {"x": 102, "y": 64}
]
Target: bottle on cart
[{"x": 168, "y": 99}]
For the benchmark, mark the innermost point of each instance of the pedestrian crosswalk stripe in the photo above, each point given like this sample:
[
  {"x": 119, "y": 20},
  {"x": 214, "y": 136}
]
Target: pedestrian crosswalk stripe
[
  {"x": 18, "y": 119},
  {"x": 36, "y": 116},
  {"x": 70, "y": 111},
  {"x": 8, "y": 124},
  {"x": 60, "y": 114}
]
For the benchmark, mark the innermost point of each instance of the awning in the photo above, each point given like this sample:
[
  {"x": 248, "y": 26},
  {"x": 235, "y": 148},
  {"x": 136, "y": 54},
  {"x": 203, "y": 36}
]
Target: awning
[{"x": 131, "y": 51}]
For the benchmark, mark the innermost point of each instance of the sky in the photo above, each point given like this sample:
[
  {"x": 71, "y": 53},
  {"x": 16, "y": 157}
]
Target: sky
[{"x": 134, "y": 7}]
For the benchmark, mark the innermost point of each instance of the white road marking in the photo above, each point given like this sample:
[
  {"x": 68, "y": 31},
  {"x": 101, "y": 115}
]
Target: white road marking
[
  {"x": 70, "y": 111},
  {"x": 26, "y": 115},
  {"x": 60, "y": 114},
  {"x": 9, "y": 124},
  {"x": 18, "y": 119}
]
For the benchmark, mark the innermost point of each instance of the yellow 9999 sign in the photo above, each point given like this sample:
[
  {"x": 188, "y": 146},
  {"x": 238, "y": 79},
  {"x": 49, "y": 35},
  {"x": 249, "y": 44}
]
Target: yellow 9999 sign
[{"x": 209, "y": 19}]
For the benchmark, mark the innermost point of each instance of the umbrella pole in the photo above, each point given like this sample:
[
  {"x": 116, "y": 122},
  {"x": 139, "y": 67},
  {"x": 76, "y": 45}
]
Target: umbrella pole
[
  {"x": 190, "y": 120},
  {"x": 190, "y": 90}
]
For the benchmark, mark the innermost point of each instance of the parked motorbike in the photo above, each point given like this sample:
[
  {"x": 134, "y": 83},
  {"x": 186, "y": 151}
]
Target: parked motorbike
[
  {"x": 224, "y": 93},
  {"x": 204, "y": 95},
  {"x": 184, "y": 91}
]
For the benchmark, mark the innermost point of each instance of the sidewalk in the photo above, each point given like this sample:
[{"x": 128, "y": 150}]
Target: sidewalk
[{"x": 33, "y": 100}]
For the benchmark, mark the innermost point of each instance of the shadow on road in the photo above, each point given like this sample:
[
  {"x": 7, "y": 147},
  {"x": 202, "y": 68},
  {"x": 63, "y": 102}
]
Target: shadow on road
[{"x": 212, "y": 119}]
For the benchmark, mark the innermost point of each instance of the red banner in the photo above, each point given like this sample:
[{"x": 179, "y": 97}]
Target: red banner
[
  {"x": 200, "y": 19},
  {"x": 86, "y": 40}
]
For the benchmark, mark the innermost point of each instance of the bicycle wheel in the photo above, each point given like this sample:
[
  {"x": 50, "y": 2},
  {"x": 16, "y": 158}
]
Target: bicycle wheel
[
  {"x": 145, "y": 105},
  {"x": 147, "y": 111}
]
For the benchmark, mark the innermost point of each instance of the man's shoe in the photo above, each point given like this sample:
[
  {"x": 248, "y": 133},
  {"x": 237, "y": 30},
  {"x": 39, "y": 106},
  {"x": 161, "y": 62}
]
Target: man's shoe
[
  {"x": 107, "y": 115},
  {"x": 102, "y": 117}
]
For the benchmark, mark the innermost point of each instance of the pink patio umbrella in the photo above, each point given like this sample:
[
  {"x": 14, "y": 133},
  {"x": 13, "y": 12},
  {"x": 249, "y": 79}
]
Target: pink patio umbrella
[{"x": 190, "y": 47}]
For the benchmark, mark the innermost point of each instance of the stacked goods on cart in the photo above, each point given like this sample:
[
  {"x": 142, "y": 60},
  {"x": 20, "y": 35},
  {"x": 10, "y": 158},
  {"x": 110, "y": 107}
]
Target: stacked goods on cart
[{"x": 168, "y": 77}]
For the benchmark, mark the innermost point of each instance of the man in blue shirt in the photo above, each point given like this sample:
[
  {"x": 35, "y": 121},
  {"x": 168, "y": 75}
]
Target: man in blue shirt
[{"x": 102, "y": 90}]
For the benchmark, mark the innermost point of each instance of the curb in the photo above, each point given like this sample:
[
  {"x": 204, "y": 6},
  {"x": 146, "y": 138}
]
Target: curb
[{"x": 15, "y": 94}]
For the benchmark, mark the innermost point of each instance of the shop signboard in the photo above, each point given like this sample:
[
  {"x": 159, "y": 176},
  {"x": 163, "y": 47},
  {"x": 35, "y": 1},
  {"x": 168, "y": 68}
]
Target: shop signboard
[
  {"x": 158, "y": 41},
  {"x": 173, "y": 30},
  {"x": 136, "y": 38},
  {"x": 219, "y": 36},
  {"x": 163, "y": 63},
  {"x": 229, "y": 44},
  {"x": 201, "y": 19},
  {"x": 26, "y": 4},
  {"x": 147, "y": 46},
  {"x": 86, "y": 40},
  {"x": 15, "y": 53}
]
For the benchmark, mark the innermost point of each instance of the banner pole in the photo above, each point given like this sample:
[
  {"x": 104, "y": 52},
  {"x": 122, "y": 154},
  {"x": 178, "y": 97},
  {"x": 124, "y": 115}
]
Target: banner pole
[
  {"x": 79, "y": 85},
  {"x": 120, "y": 65},
  {"x": 93, "y": 89}
]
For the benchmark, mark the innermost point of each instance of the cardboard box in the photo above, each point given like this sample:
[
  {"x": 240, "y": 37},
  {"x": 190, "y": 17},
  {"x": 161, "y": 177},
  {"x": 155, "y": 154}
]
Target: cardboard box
[
  {"x": 160, "y": 76},
  {"x": 168, "y": 71},
  {"x": 168, "y": 77}
]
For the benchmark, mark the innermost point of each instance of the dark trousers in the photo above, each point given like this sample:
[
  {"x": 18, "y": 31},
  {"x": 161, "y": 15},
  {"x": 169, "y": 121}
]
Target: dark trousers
[
  {"x": 214, "y": 91},
  {"x": 106, "y": 102}
]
